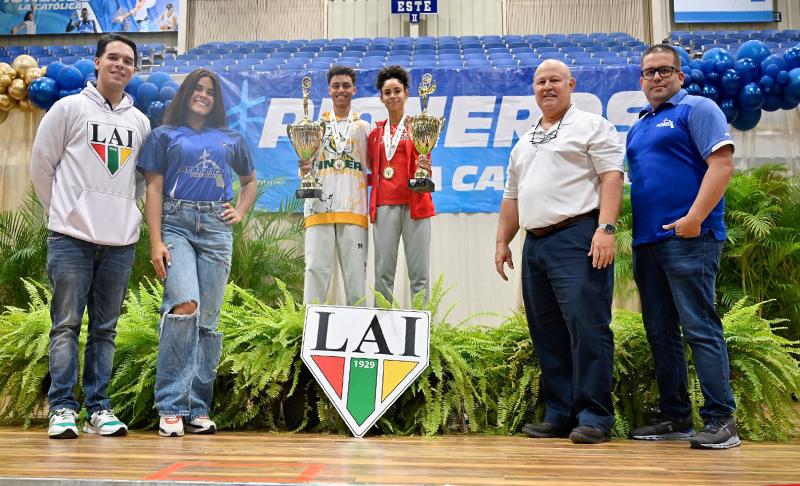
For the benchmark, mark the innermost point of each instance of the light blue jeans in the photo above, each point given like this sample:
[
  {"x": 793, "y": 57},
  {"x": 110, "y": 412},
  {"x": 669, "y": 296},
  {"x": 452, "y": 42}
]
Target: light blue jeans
[{"x": 200, "y": 246}]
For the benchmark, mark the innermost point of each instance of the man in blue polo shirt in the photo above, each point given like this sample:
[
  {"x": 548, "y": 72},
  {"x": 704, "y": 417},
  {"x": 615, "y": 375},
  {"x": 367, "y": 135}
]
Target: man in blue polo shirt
[{"x": 680, "y": 157}]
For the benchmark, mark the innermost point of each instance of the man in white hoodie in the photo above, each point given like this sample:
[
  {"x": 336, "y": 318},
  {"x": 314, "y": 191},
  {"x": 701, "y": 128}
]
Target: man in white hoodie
[{"x": 83, "y": 168}]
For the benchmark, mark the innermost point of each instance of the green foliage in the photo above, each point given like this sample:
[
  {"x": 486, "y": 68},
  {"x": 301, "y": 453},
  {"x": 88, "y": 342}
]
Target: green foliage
[
  {"x": 761, "y": 258},
  {"x": 23, "y": 250},
  {"x": 480, "y": 379}
]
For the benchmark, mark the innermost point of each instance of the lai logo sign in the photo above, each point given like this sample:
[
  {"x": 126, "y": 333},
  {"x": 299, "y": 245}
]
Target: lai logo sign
[
  {"x": 363, "y": 358},
  {"x": 113, "y": 145}
]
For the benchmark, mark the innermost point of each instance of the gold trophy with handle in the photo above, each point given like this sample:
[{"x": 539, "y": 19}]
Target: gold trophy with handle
[
  {"x": 306, "y": 138},
  {"x": 424, "y": 130}
]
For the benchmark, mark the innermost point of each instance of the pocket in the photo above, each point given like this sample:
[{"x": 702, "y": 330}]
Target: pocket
[
  {"x": 55, "y": 236},
  {"x": 106, "y": 218},
  {"x": 169, "y": 207}
]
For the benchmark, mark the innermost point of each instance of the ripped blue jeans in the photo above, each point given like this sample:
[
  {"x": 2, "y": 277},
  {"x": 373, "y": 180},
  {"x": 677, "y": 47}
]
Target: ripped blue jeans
[{"x": 200, "y": 246}]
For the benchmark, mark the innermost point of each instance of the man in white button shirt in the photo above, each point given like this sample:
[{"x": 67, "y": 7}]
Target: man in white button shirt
[{"x": 564, "y": 188}]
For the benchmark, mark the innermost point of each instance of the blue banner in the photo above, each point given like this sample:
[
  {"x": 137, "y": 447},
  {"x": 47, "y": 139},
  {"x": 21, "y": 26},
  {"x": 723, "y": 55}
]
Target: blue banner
[
  {"x": 487, "y": 110},
  {"x": 34, "y": 17}
]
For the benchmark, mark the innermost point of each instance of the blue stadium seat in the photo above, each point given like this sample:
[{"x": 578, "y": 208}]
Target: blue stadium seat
[{"x": 504, "y": 63}]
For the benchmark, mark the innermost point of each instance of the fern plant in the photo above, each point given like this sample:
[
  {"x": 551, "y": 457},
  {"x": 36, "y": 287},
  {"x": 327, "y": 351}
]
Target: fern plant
[{"x": 23, "y": 250}]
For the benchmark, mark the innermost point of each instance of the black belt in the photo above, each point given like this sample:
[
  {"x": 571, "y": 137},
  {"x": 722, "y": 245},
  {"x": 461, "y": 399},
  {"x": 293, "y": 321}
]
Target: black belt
[{"x": 548, "y": 230}]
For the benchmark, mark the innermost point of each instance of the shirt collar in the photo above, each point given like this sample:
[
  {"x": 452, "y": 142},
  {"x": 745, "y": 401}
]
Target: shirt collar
[
  {"x": 568, "y": 115},
  {"x": 676, "y": 98}
]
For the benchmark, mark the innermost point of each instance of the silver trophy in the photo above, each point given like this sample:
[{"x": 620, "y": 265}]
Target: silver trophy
[
  {"x": 306, "y": 138},
  {"x": 424, "y": 130}
]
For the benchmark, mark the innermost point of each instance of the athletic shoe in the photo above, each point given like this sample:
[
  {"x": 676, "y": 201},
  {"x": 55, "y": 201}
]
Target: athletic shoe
[
  {"x": 63, "y": 424},
  {"x": 201, "y": 425},
  {"x": 665, "y": 428},
  {"x": 170, "y": 426},
  {"x": 105, "y": 423},
  {"x": 586, "y": 434},
  {"x": 717, "y": 433},
  {"x": 544, "y": 430}
]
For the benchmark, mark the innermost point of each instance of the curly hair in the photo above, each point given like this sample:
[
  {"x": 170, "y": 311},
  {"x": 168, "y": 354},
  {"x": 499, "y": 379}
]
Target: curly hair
[
  {"x": 392, "y": 72},
  {"x": 341, "y": 71}
]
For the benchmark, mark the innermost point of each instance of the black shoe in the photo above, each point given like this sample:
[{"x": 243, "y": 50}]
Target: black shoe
[
  {"x": 665, "y": 428},
  {"x": 586, "y": 434},
  {"x": 717, "y": 433},
  {"x": 544, "y": 430}
]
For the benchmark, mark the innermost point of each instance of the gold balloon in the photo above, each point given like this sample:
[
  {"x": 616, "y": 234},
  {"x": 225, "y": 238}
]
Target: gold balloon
[
  {"x": 11, "y": 73},
  {"x": 25, "y": 105},
  {"x": 32, "y": 75},
  {"x": 5, "y": 80},
  {"x": 22, "y": 63},
  {"x": 3, "y": 116},
  {"x": 3, "y": 89},
  {"x": 18, "y": 89},
  {"x": 4, "y": 66},
  {"x": 6, "y": 103}
]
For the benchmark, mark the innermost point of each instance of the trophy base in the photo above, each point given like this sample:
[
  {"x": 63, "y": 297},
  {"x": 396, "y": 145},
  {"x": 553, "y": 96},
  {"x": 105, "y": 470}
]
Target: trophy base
[
  {"x": 308, "y": 193},
  {"x": 421, "y": 184}
]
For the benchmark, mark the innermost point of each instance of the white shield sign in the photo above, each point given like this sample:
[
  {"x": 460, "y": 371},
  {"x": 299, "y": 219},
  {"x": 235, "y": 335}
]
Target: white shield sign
[{"x": 364, "y": 358}]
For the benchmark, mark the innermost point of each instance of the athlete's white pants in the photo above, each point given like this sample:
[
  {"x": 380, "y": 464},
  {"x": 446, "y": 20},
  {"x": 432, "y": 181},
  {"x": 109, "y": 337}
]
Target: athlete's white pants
[{"x": 350, "y": 241}]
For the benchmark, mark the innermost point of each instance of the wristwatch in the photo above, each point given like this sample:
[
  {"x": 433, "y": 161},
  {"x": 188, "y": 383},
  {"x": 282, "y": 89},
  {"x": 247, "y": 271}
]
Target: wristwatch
[{"x": 607, "y": 228}]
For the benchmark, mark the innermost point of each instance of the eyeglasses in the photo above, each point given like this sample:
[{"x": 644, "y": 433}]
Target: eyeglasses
[
  {"x": 545, "y": 137},
  {"x": 664, "y": 71}
]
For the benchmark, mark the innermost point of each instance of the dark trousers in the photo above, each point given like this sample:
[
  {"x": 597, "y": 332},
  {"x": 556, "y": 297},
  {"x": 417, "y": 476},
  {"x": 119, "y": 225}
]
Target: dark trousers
[
  {"x": 677, "y": 283},
  {"x": 568, "y": 306}
]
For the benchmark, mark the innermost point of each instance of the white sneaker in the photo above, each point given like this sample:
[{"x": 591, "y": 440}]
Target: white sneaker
[
  {"x": 63, "y": 424},
  {"x": 170, "y": 426},
  {"x": 104, "y": 422},
  {"x": 201, "y": 425}
]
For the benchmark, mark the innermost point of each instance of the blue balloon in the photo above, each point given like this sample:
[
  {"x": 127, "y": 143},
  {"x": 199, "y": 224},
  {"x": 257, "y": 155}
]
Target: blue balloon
[
  {"x": 790, "y": 103},
  {"x": 166, "y": 93},
  {"x": 754, "y": 49},
  {"x": 731, "y": 82},
  {"x": 747, "y": 120},
  {"x": 70, "y": 78},
  {"x": 85, "y": 66},
  {"x": 708, "y": 66},
  {"x": 685, "y": 58},
  {"x": 792, "y": 57},
  {"x": 698, "y": 76},
  {"x": 696, "y": 64},
  {"x": 146, "y": 94},
  {"x": 156, "y": 111},
  {"x": 766, "y": 83},
  {"x": 792, "y": 88},
  {"x": 159, "y": 79},
  {"x": 43, "y": 92},
  {"x": 53, "y": 69},
  {"x": 747, "y": 69},
  {"x": 720, "y": 57},
  {"x": 728, "y": 107},
  {"x": 782, "y": 77},
  {"x": 752, "y": 97},
  {"x": 172, "y": 84},
  {"x": 133, "y": 85},
  {"x": 710, "y": 92},
  {"x": 712, "y": 77},
  {"x": 68, "y": 92},
  {"x": 694, "y": 89},
  {"x": 772, "y": 102},
  {"x": 773, "y": 64},
  {"x": 91, "y": 78}
]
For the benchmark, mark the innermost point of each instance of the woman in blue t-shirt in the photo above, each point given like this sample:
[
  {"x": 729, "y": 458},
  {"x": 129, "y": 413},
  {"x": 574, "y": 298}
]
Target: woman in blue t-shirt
[{"x": 189, "y": 165}]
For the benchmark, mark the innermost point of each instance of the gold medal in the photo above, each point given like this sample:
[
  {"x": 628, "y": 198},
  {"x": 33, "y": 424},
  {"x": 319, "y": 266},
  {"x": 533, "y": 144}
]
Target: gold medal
[
  {"x": 388, "y": 173},
  {"x": 338, "y": 164}
]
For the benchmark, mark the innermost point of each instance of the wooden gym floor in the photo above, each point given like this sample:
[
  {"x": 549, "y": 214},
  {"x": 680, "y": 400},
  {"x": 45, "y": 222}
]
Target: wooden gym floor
[{"x": 453, "y": 460}]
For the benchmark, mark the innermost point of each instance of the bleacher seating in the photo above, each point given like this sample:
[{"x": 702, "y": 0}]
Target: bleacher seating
[
  {"x": 699, "y": 41},
  {"x": 488, "y": 51}
]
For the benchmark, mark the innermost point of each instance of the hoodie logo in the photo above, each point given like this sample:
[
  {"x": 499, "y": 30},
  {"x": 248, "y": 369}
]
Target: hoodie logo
[
  {"x": 666, "y": 123},
  {"x": 112, "y": 145}
]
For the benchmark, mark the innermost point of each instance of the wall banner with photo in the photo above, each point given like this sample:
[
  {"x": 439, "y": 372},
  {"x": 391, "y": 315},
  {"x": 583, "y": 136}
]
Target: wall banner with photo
[{"x": 36, "y": 17}]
